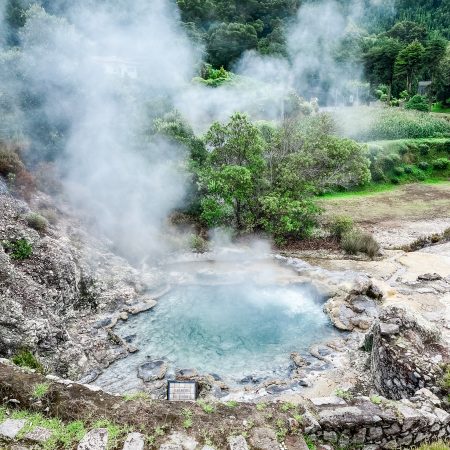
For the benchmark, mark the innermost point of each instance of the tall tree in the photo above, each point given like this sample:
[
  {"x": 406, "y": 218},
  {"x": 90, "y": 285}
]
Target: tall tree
[{"x": 409, "y": 63}]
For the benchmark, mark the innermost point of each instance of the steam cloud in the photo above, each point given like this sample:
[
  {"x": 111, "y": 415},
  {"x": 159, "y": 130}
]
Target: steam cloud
[{"x": 126, "y": 181}]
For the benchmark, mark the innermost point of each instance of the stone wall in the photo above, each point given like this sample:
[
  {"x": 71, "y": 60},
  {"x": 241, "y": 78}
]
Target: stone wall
[
  {"x": 407, "y": 354},
  {"x": 378, "y": 422}
]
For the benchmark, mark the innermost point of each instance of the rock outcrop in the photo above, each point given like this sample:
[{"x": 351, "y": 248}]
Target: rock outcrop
[{"x": 356, "y": 309}]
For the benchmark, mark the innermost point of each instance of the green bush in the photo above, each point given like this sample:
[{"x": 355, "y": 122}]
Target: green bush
[
  {"x": 341, "y": 225},
  {"x": 419, "y": 103},
  {"x": 19, "y": 250},
  {"x": 423, "y": 165},
  {"x": 424, "y": 149},
  {"x": 24, "y": 358},
  {"x": 441, "y": 163},
  {"x": 399, "y": 171},
  {"x": 36, "y": 221},
  {"x": 395, "y": 180},
  {"x": 357, "y": 241},
  {"x": 408, "y": 169}
]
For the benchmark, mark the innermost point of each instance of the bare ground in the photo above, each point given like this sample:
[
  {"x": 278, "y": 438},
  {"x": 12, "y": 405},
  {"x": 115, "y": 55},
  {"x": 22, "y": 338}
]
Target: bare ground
[{"x": 399, "y": 216}]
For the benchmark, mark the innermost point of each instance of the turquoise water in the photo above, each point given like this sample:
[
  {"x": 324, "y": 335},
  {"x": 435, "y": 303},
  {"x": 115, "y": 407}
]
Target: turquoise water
[{"x": 230, "y": 330}]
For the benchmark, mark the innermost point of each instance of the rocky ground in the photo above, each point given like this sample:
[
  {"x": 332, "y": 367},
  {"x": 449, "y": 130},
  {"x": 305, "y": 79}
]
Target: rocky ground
[{"x": 63, "y": 301}]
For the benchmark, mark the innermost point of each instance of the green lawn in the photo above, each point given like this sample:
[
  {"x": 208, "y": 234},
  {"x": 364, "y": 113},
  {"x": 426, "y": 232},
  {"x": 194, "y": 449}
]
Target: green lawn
[{"x": 439, "y": 108}]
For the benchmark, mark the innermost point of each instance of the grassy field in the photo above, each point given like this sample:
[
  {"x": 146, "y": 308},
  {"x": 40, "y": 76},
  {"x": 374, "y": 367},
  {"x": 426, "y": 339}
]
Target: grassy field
[
  {"x": 418, "y": 201},
  {"x": 439, "y": 108}
]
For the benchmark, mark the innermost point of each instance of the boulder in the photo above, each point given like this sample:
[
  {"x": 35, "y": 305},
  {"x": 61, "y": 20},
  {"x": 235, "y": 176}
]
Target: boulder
[
  {"x": 152, "y": 370},
  {"x": 237, "y": 443},
  {"x": 10, "y": 428},
  {"x": 134, "y": 441},
  {"x": 96, "y": 439}
]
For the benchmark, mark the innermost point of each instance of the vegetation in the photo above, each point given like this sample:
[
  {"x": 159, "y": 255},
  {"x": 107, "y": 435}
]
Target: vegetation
[
  {"x": 40, "y": 390},
  {"x": 19, "y": 249},
  {"x": 357, "y": 241},
  {"x": 36, "y": 221},
  {"x": 24, "y": 358}
]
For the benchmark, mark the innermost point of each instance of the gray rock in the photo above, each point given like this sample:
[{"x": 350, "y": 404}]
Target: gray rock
[
  {"x": 443, "y": 416},
  {"x": 330, "y": 436},
  {"x": 94, "y": 440},
  {"x": 328, "y": 401},
  {"x": 263, "y": 439},
  {"x": 298, "y": 360},
  {"x": 387, "y": 329},
  {"x": 309, "y": 423},
  {"x": 153, "y": 370},
  {"x": 429, "y": 277},
  {"x": 295, "y": 443},
  {"x": 141, "y": 307},
  {"x": 237, "y": 443},
  {"x": 170, "y": 446},
  {"x": 39, "y": 434},
  {"x": 134, "y": 441},
  {"x": 11, "y": 427}
]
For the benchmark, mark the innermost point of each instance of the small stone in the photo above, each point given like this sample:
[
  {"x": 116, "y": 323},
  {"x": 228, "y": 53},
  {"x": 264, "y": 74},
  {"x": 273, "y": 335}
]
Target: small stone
[
  {"x": 429, "y": 277},
  {"x": 298, "y": 360},
  {"x": 141, "y": 307},
  {"x": 237, "y": 443},
  {"x": 134, "y": 441},
  {"x": 123, "y": 315},
  {"x": 94, "y": 440},
  {"x": 327, "y": 401},
  {"x": 330, "y": 436},
  {"x": 443, "y": 416},
  {"x": 387, "y": 329},
  {"x": 296, "y": 443},
  {"x": 309, "y": 423},
  {"x": 39, "y": 434},
  {"x": 11, "y": 427},
  {"x": 263, "y": 439},
  {"x": 170, "y": 446}
]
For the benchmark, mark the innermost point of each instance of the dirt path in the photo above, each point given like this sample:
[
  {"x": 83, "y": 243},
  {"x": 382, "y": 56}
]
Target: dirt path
[{"x": 397, "y": 217}]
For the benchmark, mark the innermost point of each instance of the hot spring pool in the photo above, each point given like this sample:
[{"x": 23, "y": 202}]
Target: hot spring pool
[{"x": 230, "y": 330}]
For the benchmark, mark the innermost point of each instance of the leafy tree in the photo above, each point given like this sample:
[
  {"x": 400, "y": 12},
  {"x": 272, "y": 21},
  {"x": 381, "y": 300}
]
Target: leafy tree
[
  {"x": 409, "y": 63},
  {"x": 227, "y": 42},
  {"x": 441, "y": 84},
  {"x": 434, "y": 52},
  {"x": 233, "y": 174},
  {"x": 408, "y": 32},
  {"x": 379, "y": 61}
]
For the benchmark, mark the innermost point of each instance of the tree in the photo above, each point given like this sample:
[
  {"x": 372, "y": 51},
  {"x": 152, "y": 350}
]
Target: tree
[
  {"x": 409, "y": 62},
  {"x": 380, "y": 60},
  {"x": 227, "y": 42},
  {"x": 434, "y": 52},
  {"x": 441, "y": 83},
  {"x": 233, "y": 174},
  {"x": 407, "y": 32}
]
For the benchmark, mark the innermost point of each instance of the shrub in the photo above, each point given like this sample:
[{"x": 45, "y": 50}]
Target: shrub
[
  {"x": 399, "y": 171},
  {"x": 423, "y": 165},
  {"x": 341, "y": 225},
  {"x": 424, "y": 149},
  {"x": 198, "y": 244},
  {"x": 403, "y": 150},
  {"x": 19, "y": 250},
  {"x": 395, "y": 180},
  {"x": 441, "y": 163},
  {"x": 408, "y": 169},
  {"x": 356, "y": 241},
  {"x": 9, "y": 162},
  {"x": 36, "y": 221},
  {"x": 419, "y": 103},
  {"x": 24, "y": 358}
]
